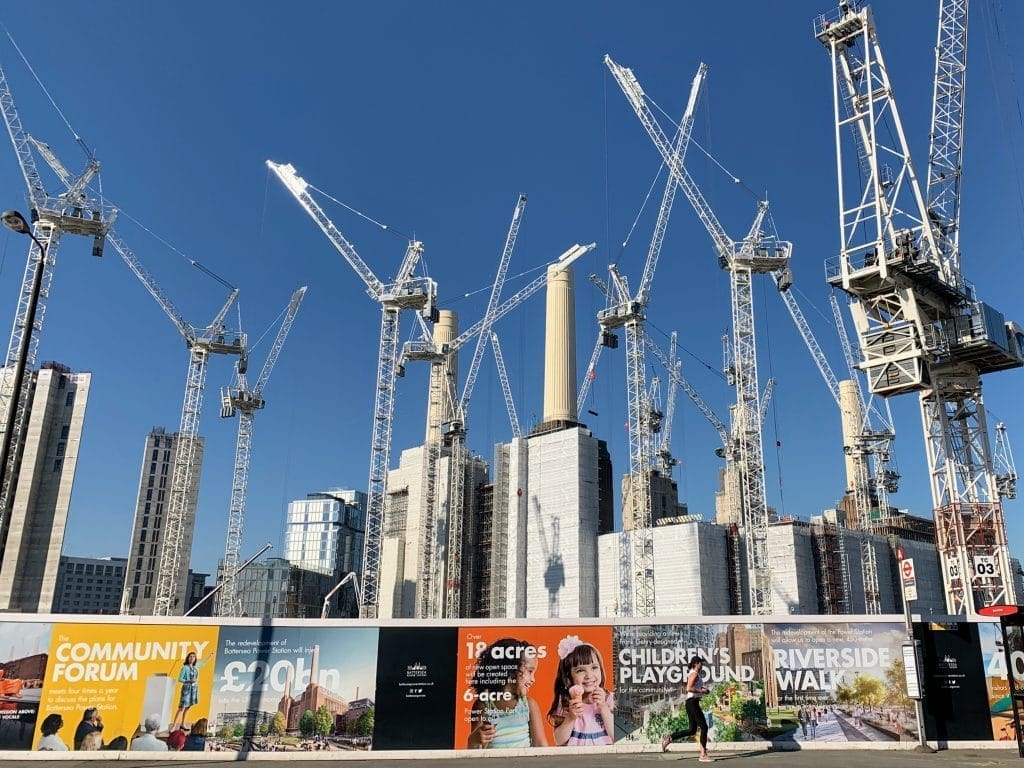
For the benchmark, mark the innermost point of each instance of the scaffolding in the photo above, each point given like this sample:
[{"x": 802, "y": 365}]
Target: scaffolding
[{"x": 831, "y": 567}]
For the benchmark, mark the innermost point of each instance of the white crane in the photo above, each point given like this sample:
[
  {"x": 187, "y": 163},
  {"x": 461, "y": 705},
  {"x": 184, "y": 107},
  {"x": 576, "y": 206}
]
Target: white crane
[
  {"x": 920, "y": 325},
  {"x": 443, "y": 399},
  {"x": 666, "y": 461},
  {"x": 456, "y": 430},
  {"x": 245, "y": 401},
  {"x": 74, "y": 212},
  {"x": 406, "y": 292},
  {"x": 628, "y": 310},
  {"x": 756, "y": 253}
]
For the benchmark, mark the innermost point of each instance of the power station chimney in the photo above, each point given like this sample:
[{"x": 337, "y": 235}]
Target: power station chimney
[
  {"x": 852, "y": 420},
  {"x": 314, "y": 667},
  {"x": 443, "y": 377},
  {"x": 560, "y": 349}
]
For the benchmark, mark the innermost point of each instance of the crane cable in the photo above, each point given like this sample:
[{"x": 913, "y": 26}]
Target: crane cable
[
  {"x": 78, "y": 139},
  {"x": 92, "y": 158}
]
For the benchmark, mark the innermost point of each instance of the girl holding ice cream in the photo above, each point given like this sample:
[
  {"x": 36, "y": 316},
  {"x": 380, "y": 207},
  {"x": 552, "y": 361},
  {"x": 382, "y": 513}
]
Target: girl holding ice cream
[
  {"x": 503, "y": 715},
  {"x": 581, "y": 712}
]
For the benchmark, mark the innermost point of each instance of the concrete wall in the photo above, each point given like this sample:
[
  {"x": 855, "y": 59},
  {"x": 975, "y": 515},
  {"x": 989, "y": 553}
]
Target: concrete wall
[
  {"x": 791, "y": 559},
  {"x": 46, "y": 474},
  {"x": 689, "y": 572}
]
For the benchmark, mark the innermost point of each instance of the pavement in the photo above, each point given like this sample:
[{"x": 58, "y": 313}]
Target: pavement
[{"x": 811, "y": 758}]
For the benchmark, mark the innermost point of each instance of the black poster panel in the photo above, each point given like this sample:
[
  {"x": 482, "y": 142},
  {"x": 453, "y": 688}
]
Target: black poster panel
[
  {"x": 416, "y": 673},
  {"x": 955, "y": 697}
]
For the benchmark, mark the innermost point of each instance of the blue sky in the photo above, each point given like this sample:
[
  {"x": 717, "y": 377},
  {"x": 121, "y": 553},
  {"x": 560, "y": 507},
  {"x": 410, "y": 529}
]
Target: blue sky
[{"x": 432, "y": 117}]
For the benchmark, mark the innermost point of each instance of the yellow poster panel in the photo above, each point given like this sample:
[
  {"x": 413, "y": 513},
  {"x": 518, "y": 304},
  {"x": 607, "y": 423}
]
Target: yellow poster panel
[{"x": 128, "y": 672}]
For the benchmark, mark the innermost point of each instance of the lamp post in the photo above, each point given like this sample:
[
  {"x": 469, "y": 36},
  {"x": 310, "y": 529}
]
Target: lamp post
[
  {"x": 15, "y": 222},
  {"x": 240, "y": 568}
]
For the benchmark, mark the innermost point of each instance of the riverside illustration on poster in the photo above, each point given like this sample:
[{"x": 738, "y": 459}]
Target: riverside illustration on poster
[
  {"x": 838, "y": 682},
  {"x": 128, "y": 672},
  {"x": 24, "y": 649},
  {"x": 294, "y": 688},
  {"x": 507, "y": 678}
]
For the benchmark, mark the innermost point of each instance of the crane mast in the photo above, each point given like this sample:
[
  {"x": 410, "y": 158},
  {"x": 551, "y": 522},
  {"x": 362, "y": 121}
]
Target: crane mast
[
  {"x": 444, "y": 399},
  {"x": 71, "y": 212},
  {"x": 245, "y": 401},
  {"x": 756, "y": 253},
  {"x": 407, "y": 292},
  {"x": 628, "y": 311},
  {"x": 920, "y": 325},
  {"x": 456, "y": 433}
]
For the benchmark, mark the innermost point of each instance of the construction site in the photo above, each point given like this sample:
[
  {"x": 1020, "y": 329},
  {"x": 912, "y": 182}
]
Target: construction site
[{"x": 542, "y": 525}]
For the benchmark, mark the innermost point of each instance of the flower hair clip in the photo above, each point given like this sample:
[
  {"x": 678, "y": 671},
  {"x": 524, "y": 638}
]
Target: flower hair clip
[{"x": 569, "y": 644}]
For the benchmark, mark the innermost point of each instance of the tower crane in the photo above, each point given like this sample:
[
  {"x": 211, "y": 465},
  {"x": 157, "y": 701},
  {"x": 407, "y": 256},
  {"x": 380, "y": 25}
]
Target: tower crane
[
  {"x": 73, "y": 211},
  {"x": 52, "y": 215},
  {"x": 920, "y": 325},
  {"x": 666, "y": 461},
  {"x": 201, "y": 342},
  {"x": 1006, "y": 470},
  {"x": 628, "y": 310},
  {"x": 456, "y": 430},
  {"x": 245, "y": 401},
  {"x": 406, "y": 292},
  {"x": 756, "y": 253},
  {"x": 444, "y": 398}
]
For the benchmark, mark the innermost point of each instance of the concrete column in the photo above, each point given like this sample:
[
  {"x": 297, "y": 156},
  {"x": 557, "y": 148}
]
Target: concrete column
[
  {"x": 560, "y": 347},
  {"x": 444, "y": 378},
  {"x": 852, "y": 417}
]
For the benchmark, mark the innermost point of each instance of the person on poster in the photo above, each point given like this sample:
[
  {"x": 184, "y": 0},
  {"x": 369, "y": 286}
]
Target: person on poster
[
  {"x": 148, "y": 742},
  {"x": 503, "y": 714},
  {"x": 581, "y": 712},
  {"x": 51, "y": 742},
  {"x": 92, "y": 722},
  {"x": 694, "y": 691},
  {"x": 189, "y": 679}
]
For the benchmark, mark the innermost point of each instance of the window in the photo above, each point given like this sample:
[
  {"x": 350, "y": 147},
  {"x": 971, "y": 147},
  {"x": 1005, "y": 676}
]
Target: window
[
  {"x": 71, "y": 399},
  {"x": 61, "y": 447},
  {"x": 152, "y": 468},
  {"x": 142, "y": 534},
  {"x": 149, "y": 495},
  {"x": 62, "y": 382},
  {"x": 58, "y": 464},
  {"x": 64, "y": 431}
]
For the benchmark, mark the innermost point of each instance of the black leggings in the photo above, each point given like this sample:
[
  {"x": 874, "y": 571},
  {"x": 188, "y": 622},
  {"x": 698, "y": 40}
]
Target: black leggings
[{"x": 697, "y": 723}]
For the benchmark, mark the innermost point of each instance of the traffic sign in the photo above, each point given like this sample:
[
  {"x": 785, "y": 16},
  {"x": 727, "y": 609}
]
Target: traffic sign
[{"x": 907, "y": 569}]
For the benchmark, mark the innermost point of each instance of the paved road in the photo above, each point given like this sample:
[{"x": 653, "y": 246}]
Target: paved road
[{"x": 810, "y": 758}]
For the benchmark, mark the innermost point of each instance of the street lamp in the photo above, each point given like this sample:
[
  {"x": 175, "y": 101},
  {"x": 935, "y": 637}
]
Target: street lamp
[
  {"x": 15, "y": 222},
  {"x": 241, "y": 568},
  {"x": 350, "y": 577}
]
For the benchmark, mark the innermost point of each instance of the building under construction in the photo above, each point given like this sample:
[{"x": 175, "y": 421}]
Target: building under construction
[{"x": 538, "y": 539}]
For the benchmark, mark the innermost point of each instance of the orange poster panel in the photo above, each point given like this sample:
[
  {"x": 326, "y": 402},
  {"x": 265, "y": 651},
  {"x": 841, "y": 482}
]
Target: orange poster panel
[{"x": 515, "y": 686}]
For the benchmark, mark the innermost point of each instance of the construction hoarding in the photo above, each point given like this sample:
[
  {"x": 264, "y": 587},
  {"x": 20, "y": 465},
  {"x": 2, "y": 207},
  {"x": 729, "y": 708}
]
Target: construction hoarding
[{"x": 297, "y": 686}]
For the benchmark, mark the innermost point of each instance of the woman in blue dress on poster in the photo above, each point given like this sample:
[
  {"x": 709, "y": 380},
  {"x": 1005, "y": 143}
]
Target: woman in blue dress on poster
[{"x": 189, "y": 679}]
